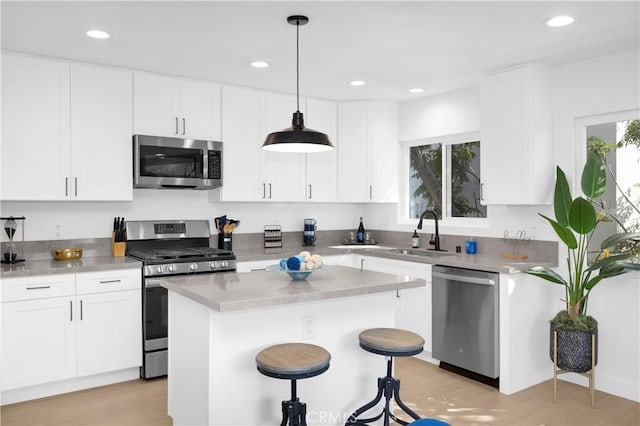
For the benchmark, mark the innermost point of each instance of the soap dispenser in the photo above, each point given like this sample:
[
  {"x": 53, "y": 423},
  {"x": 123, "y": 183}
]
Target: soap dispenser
[{"x": 415, "y": 239}]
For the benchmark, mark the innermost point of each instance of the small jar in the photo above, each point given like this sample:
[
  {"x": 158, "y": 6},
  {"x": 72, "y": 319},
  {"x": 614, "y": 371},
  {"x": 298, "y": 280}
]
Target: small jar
[{"x": 471, "y": 246}]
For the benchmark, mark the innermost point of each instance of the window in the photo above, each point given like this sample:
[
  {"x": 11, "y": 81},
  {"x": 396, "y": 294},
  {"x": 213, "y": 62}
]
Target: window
[
  {"x": 618, "y": 142},
  {"x": 444, "y": 176}
]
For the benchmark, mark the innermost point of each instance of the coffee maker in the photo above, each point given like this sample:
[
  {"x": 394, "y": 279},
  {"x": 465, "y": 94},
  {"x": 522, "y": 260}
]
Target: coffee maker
[{"x": 309, "y": 236}]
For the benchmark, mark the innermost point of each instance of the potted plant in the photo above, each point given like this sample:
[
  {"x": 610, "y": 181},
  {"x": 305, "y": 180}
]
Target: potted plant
[{"x": 575, "y": 221}]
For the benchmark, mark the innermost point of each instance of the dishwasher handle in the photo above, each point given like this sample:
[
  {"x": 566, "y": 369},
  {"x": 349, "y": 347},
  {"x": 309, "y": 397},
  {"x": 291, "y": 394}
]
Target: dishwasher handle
[{"x": 463, "y": 278}]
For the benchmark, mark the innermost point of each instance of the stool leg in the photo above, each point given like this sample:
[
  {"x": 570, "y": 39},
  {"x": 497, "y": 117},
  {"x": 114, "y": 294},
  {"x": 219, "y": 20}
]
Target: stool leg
[{"x": 285, "y": 413}]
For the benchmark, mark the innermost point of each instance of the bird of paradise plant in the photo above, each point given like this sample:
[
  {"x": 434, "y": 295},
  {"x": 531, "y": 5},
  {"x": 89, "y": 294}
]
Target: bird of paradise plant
[{"x": 575, "y": 221}]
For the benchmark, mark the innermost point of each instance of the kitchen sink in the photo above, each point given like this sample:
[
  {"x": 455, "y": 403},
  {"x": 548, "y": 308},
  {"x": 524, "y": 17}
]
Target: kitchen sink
[{"x": 418, "y": 252}]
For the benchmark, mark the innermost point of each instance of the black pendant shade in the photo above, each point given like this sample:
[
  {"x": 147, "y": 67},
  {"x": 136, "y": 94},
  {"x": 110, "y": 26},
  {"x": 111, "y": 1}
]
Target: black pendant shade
[{"x": 297, "y": 138}]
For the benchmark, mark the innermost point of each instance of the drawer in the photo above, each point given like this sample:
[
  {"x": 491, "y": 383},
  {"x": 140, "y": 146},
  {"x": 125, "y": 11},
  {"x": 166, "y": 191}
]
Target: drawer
[
  {"x": 36, "y": 287},
  {"x": 106, "y": 281}
]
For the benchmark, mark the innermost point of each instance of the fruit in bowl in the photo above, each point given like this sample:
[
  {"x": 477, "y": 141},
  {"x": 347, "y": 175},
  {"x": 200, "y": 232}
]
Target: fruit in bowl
[{"x": 300, "y": 266}]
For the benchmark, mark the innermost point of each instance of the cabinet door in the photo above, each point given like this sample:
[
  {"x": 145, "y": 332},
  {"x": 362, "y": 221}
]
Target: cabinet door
[
  {"x": 38, "y": 342},
  {"x": 322, "y": 167},
  {"x": 283, "y": 172},
  {"x": 109, "y": 331},
  {"x": 413, "y": 306},
  {"x": 101, "y": 128},
  {"x": 353, "y": 180},
  {"x": 155, "y": 107},
  {"x": 199, "y": 109},
  {"x": 516, "y": 148},
  {"x": 243, "y": 132},
  {"x": 382, "y": 152},
  {"x": 35, "y": 128}
]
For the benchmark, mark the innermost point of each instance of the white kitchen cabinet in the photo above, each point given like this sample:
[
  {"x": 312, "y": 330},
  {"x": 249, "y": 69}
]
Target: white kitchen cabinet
[
  {"x": 243, "y": 132},
  {"x": 413, "y": 306},
  {"x": 368, "y": 152},
  {"x": 66, "y": 131},
  {"x": 66, "y": 326},
  {"x": 173, "y": 107},
  {"x": 109, "y": 331},
  {"x": 38, "y": 330},
  {"x": 35, "y": 128},
  {"x": 283, "y": 173},
  {"x": 516, "y": 131},
  {"x": 101, "y": 146},
  {"x": 321, "y": 168},
  {"x": 252, "y": 174}
]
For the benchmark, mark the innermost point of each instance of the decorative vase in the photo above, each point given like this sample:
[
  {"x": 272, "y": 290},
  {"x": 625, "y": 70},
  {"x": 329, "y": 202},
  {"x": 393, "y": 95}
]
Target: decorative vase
[{"x": 574, "y": 349}]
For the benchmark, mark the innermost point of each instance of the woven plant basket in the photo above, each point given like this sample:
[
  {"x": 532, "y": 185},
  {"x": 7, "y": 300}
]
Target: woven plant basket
[{"x": 574, "y": 349}]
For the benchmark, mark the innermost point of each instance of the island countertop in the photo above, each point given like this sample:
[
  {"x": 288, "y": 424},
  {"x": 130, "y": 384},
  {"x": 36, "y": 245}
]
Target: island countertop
[{"x": 231, "y": 291}]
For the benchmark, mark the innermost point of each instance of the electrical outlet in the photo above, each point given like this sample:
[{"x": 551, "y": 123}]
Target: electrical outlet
[
  {"x": 308, "y": 327},
  {"x": 57, "y": 231}
]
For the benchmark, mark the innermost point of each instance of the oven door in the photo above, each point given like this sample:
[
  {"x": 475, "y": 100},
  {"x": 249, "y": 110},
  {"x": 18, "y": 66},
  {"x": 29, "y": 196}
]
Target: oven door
[{"x": 156, "y": 314}]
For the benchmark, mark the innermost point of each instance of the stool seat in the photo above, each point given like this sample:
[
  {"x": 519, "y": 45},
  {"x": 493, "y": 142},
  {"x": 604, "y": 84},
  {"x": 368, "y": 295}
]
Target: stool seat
[
  {"x": 391, "y": 342},
  {"x": 293, "y": 361}
]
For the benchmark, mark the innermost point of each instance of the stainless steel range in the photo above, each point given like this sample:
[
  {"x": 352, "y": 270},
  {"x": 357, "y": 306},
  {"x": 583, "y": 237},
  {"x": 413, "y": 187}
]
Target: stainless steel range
[{"x": 167, "y": 248}]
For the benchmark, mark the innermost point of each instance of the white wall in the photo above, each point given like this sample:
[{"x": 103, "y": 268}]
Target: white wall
[{"x": 582, "y": 89}]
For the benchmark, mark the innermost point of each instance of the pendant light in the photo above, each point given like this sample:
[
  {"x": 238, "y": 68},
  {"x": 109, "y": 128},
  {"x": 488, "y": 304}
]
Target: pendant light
[{"x": 297, "y": 138}]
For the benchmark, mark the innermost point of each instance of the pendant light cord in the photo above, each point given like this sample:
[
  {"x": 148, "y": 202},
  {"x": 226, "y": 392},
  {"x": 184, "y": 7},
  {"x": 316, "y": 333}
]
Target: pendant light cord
[{"x": 298, "y": 65}]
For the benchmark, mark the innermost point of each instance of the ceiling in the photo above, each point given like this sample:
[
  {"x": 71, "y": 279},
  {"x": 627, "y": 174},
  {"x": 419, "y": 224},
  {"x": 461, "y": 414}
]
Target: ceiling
[{"x": 392, "y": 45}]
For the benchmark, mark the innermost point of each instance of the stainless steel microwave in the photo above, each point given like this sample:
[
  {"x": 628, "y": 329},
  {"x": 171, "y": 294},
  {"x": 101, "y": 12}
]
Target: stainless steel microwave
[{"x": 162, "y": 162}]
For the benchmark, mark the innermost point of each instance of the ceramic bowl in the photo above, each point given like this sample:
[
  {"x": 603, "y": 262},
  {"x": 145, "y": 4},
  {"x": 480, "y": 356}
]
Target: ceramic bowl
[{"x": 67, "y": 254}]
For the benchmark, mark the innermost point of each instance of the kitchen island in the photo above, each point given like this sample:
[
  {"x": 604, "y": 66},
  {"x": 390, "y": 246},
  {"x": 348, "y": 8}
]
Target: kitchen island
[{"x": 219, "y": 322}]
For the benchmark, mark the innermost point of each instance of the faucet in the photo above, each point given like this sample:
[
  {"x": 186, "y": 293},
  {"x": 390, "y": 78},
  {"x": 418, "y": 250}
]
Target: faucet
[{"x": 436, "y": 240}]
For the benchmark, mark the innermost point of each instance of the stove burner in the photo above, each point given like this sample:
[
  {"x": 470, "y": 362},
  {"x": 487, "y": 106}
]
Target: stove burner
[{"x": 195, "y": 253}]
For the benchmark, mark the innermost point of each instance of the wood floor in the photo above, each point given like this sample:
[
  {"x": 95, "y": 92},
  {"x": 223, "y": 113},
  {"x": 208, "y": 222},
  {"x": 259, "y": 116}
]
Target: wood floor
[{"x": 430, "y": 391}]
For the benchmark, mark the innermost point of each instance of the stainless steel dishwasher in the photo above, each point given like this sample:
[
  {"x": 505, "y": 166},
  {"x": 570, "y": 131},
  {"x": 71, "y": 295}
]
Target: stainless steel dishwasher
[{"x": 465, "y": 319}]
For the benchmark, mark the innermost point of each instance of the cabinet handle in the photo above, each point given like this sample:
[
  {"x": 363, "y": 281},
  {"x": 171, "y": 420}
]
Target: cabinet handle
[
  {"x": 482, "y": 192},
  {"x": 71, "y": 309},
  {"x": 258, "y": 269},
  {"x": 76, "y": 186},
  {"x": 40, "y": 287},
  {"x": 66, "y": 186},
  {"x": 264, "y": 190},
  {"x": 176, "y": 125},
  {"x": 184, "y": 126},
  {"x": 269, "y": 190},
  {"x": 398, "y": 293},
  {"x": 371, "y": 192},
  {"x": 309, "y": 191},
  {"x": 361, "y": 264},
  {"x": 109, "y": 281},
  {"x": 81, "y": 313}
]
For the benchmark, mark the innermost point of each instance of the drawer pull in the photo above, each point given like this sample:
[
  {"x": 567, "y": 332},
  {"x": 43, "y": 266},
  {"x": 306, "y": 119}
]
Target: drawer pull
[
  {"x": 71, "y": 309},
  {"x": 109, "y": 281},
  {"x": 81, "y": 313},
  {"x": 40, "y": 287}
]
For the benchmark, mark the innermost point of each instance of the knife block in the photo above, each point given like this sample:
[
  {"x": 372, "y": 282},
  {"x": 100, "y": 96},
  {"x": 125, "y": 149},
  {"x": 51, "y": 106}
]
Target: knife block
[{"x": 117, "y": 249}]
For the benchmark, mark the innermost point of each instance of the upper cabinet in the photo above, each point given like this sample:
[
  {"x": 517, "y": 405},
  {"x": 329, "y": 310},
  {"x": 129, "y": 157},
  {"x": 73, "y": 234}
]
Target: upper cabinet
[
  {"x": 66, "y": 132},
  {"x": 173, "y": 107},
  {"x": 517, "y": 159},
  {"x": 368, "y": 152},
  {"x": 252, "y": 174},
  {"x": 321, "y": 168}
]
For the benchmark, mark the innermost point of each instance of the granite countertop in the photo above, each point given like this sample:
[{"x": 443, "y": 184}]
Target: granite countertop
[
  {"x": 237, "y": 291},
  {"x": 485, "y": 262},
  {"x": 51, "y": 266}
]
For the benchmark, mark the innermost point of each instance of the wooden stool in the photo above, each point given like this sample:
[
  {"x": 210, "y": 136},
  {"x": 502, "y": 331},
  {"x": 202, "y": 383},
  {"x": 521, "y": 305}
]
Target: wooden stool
[
  {"x": 389, "y": 342},
  {"x": 293, "y": 361}
]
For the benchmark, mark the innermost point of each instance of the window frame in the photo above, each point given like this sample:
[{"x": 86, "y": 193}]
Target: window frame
[{"x": 446, "y": 141}]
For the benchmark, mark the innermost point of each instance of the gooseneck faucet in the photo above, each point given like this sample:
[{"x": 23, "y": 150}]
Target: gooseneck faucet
[{"x": 436, "y": 239}]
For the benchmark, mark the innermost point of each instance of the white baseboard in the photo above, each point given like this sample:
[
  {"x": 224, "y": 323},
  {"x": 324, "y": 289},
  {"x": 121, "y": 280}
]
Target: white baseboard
[
  {"x": 611, "y": 385},
  {"x": 70, "y": 385}
]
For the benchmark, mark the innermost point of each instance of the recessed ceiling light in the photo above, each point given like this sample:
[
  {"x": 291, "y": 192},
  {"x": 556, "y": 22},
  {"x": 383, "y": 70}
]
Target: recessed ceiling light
[
  {"x": 97, "y": 34},
  {"x": 416, "y": 90},
  {"x": 259, "y": 64},
  {"x": 357, "y": 83},
  {"x": 560, "y": 21}
]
